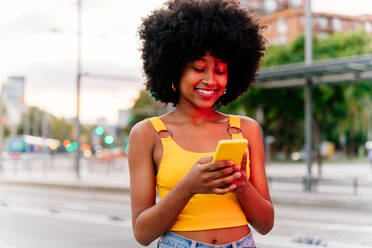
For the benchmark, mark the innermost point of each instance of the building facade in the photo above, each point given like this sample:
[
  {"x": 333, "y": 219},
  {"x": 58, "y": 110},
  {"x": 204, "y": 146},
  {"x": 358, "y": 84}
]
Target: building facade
[
  {"x": 284, "y": 20},
  {"x": 12, "y": 94}
]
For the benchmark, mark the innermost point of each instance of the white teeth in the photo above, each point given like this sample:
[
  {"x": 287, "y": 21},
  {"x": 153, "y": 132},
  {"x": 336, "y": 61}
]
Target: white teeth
[{"x": 206, "y": 92}]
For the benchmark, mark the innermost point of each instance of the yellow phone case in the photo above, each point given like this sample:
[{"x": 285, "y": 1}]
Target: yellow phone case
[{"x": 232, "y": 150}]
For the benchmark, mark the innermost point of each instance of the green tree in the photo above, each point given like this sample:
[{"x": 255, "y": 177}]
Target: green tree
[
  {"x": 34, "y": 117},
  {"x": 62, "y": 129},
  {"x": 58, "y": 128},
  {"x": 144, "y": 107},
  {"x": 6, "y": 127},
  {"x": 337, "y": 109}
]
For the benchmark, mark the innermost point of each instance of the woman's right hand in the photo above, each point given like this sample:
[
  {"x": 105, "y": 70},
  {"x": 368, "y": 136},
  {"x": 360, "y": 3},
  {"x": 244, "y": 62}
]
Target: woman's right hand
[{"x": 207, "y": 177}]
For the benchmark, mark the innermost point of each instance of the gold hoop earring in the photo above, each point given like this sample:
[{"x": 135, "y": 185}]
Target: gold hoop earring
[
  {"x": 174, "y": 87},
  {"x": 224, "y": 91}
]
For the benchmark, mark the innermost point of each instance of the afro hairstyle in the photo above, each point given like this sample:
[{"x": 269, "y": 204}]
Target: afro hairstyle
[{"x": 184, "y": 30}]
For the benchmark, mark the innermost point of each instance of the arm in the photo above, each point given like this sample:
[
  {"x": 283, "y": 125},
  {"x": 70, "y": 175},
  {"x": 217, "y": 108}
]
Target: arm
[
  {"x": 150, "y": 219},
  {"x": 254, "y": 194}
]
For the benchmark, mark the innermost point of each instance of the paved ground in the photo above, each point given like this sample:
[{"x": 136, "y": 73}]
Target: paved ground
[
  {"x": 342, "y": 188},
  {"x": 346, "y": 185}
]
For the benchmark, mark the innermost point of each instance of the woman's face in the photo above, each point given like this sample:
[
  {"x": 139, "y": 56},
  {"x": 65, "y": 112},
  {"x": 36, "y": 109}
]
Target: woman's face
[{"x": 203, "y": 81}]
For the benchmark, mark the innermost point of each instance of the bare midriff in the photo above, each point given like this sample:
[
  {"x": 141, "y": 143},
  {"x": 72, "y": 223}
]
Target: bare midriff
[{"x": 216, "y": 236}]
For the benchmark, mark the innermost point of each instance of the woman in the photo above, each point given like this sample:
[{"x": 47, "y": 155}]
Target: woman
[{"x": 198, "y": 55}]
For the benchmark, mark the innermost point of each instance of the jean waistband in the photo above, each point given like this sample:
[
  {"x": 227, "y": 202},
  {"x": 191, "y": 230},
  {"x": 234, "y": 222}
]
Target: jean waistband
[{"x": 171, "y": 240}]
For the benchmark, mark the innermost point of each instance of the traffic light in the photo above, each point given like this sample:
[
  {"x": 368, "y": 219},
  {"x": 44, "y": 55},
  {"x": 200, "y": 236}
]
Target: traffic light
[
  {"x": 126, "y": 147},
  {"x": 74, "y": 146},
  {"x": 109, "y": 139},
  {"x": 99, "y": 131},
  {"x": 66, "y": 143}
]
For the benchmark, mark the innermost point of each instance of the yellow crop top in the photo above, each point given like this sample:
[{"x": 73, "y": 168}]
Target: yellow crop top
[{"x": 203, "y": 211}]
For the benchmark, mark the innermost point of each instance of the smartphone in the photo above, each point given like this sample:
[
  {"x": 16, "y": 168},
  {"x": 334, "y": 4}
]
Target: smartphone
[{"x": 230, "y": 150}]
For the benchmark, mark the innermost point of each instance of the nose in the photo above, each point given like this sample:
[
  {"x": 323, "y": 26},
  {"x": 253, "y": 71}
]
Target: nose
[{"x": 208, "y": 77}]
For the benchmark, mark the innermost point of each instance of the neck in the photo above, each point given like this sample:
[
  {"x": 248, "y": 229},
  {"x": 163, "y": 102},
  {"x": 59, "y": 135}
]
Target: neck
[{"x": 196, "y": 116}]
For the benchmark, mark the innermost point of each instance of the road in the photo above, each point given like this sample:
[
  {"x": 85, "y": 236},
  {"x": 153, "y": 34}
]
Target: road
[
  {"x": 41, "y": 217},
  {"x": 331, "y": 227}
]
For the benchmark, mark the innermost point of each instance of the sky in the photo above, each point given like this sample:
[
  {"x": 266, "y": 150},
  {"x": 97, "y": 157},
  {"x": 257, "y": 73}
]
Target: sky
[{"x": 38, "y": 40}]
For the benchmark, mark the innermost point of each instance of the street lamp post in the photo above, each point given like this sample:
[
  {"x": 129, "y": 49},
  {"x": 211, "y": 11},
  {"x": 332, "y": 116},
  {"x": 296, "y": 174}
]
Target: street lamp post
[
  {"x": 308, "y": 94},
  {"x": 1, "y": 128},
  {"x": 78, "y": 77}
]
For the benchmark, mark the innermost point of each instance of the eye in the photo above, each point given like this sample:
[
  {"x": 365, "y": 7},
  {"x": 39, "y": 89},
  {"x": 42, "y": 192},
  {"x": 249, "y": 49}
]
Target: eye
[
  {"x": 220, "y": 68},
  {"x": 198, "y": 69},
  {"x": 220, "y": 72}
]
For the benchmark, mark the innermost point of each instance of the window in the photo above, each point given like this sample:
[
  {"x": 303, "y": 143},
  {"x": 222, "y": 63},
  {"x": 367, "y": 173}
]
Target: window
[
  {"x": 368, "y": 27},
  {"x": 322, "y": 22},
  {"x": 270, "y": 6},
  {"x": 254, "y": 4},
  {"x": 358, "y": 25},
  {"x": 337, "y": 24},
  {"x": 282, "y": 26},
  {"x": 282, "y": 39},
  {"x": 244, "y": 3},
  {"x": 302, "y": 21},
  {"x": 296, "y": 3}
]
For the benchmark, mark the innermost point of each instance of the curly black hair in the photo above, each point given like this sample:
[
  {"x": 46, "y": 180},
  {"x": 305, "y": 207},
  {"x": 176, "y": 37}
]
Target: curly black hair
[{"x": 184, "y": 30}]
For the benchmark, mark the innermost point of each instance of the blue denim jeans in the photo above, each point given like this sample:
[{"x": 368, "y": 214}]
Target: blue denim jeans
[{"x": 172, "y": 240}]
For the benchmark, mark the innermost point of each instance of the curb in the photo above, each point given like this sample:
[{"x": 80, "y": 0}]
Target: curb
[
  {"x": 69, "y": 186},
  {"x": 294, "y": 198},
  {"x": 323, "y": 200}
]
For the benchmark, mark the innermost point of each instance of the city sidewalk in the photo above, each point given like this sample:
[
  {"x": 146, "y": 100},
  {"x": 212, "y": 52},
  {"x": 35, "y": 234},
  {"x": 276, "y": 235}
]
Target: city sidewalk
[
  {"x": 111, "y": 176},
  {"x": 341, "y": 185}
]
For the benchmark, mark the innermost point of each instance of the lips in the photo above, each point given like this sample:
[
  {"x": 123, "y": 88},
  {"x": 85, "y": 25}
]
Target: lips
[{"x": 206, "y": 93}]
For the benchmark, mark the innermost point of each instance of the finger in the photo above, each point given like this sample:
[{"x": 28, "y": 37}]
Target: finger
[
  {"x": 222, "y": 182},
  {"x": 222, "y": 172},
  {"x": 222, "y": 191},
  {"x": 205, "y": 160},
  {"x": 237, "y": 182},
  {"x": 220, "y": 165},
  {"x": 244, "y": 160}
]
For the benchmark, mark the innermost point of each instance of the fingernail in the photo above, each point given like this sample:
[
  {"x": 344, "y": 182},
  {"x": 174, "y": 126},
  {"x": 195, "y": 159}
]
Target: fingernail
[
  {"x": 238, "y": 174},
  {"x": 237, "y": 167},
  {"x": 230, "y": 163}
]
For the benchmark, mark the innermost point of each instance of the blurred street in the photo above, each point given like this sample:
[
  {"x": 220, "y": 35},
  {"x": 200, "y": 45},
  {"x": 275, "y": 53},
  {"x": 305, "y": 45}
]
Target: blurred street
[
  {"x": 45, "y": 205},
  {"x": 73, "y": 84}
]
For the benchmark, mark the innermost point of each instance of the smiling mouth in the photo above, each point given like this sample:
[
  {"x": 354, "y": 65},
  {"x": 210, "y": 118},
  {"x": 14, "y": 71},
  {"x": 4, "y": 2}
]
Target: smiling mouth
[{"x": 206, "y": 93}]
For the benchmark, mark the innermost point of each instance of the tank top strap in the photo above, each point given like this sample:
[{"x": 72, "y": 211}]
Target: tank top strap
[
  {"x": 234, "y": 122},
  {"x": 157, "y": 124},
  {"x": 160, "y": 127}
]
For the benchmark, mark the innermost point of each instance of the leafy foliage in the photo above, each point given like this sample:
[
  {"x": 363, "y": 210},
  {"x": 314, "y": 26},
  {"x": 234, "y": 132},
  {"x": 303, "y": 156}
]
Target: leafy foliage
[
  {"x": 337, "y": 109},
  {"x": 144, "y": 107},
  {"x": 342, "y": 109}
]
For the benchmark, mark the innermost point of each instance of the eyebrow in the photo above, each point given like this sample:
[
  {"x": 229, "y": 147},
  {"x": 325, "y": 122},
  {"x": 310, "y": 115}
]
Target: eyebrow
[
  {"x": 199, "y": 58},
  {"x": 217, "y": 60}
]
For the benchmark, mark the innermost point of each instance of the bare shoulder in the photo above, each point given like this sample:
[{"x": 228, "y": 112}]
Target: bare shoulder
[
  {"x": 143, "y": 127},
  {"x": 141, "y": 147},
  {"x": 143, "y": 132},
  {"x": 249, "y": 125}
]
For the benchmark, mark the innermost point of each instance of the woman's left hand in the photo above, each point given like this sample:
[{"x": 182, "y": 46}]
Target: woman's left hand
[{"x": 242, "y": 181}]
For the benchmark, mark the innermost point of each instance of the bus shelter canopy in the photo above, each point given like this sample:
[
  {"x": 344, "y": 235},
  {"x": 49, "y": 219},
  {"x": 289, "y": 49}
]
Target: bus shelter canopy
[{"x": 340, "y": 70}]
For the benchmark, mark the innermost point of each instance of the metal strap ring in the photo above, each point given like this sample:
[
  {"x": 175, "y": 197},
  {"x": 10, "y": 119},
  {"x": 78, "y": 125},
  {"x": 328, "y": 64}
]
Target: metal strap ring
[
  {"x": 229, "y": 131},
  {"x": 168, "y": 131}
]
